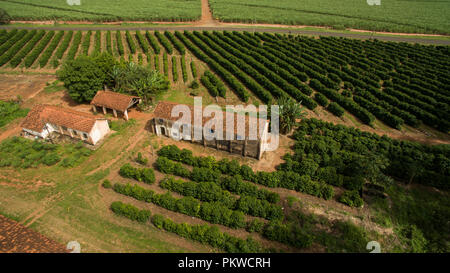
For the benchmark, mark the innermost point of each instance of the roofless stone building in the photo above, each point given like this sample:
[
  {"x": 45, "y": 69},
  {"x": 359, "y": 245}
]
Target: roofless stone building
[{"x": 162, "y": 124}]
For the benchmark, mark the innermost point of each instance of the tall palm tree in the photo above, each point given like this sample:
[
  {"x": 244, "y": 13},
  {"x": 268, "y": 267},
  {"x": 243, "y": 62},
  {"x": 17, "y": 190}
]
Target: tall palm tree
[{"x": 290, "y": 112}]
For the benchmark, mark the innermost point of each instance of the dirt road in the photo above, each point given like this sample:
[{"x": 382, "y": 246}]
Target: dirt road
[{"x": 208, "y": 23}]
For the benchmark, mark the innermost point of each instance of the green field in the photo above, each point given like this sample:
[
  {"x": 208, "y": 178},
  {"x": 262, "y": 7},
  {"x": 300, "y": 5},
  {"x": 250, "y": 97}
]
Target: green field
[
  {"x": 396, "y": 83},
  {"x": 102, "y": 10},
  {"x": 392, "y": 15}
]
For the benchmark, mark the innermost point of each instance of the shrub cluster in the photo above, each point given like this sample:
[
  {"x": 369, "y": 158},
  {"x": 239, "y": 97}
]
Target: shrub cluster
[
  {"x": 209, "y": 86},
  {"x": 15, "y": 36},
  {"x": 279, "y": 73},
  {"x": 29, "y": 60},
  {"x": 156, "y": 59},
  {"x": 130, "y": 42},
  {"x": 141, "y": 160},
  {"x": 207, "y": 191},
  {"x": 142, "y": 42},
  {"x": 360, "y": 155},
  {"x": 193, "y": 70},
  {"x": 348, "y": 104},
  {"x": 24, "y": 51},
  {"x": 153, "y": 42},
  {"x": 24, "y": 153},
  {"x": 178, "y": 45},
  {"x": 11, "y": 51},
  {"x": 167, "y": 45},
  {"x": 247, "y": 73},
  {"x": 130, "y": 211},
  {"x": 167, "y": 166},
  {"x": 120, "y": 48},
  {"x": 336, "y": 109},
  {"x": 43, "y": 60},
  {"x": 174, "y": 69},
  {"x": 217, "y": 83},
  {"x": 351, "y": 198},
  {"x": 86, "y": 43},
  {"x": 165, "y": 64},
  {"x": 220, "y": 65},
  {"x": 74, "y": 46},
  {"x": 108, "y": 42},
  {"x": 208, "y": 169},
  {"x": 321, "y": 99},
  {"x": 5, "y": 36},
  {"x": 288, "y": 234},
  {"x": 207, "y": 234},
  {"x": 98, "y": 42},
  {"x": 213, "y": 212},
  {"x": 145, "y": 175},
  {"x": 183, "y": 68},
  {"x": 64, "y": 45}
]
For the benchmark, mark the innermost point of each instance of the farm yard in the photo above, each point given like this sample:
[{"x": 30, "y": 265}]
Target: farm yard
[
  {"x": 328, "y": 188},
  {"x": 391, "y": 15},
  {"x": 181, "y": 200}
]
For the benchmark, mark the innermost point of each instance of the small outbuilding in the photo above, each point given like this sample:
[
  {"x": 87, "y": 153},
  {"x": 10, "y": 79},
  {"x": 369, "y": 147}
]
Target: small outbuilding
[
  {"x": 116, "y": 101},
  {"x": 43, "y": 120}
]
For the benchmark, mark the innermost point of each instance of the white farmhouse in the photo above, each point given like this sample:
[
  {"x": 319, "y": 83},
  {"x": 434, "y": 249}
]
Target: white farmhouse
[{"x": 43, "y": 120}]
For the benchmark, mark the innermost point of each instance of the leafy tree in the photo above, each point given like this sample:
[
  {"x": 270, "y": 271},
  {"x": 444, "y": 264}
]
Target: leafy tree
[
  {"x": 290, "y": 112},
  {"x": 106, "y": 62},
  {"x": 139, "y": 81},
  {"x": 83, "y": 77}
]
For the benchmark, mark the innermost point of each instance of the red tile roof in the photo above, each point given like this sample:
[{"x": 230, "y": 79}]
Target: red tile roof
[
  {"x": 164, "y": 110},
  {"x": 112, "y": 100},
  {"x": 42, "y": 114},
  {"x": 16, "y": 238}
]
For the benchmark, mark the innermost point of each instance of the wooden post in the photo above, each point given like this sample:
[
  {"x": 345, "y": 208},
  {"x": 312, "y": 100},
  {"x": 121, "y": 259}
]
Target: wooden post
[
  {"x": 70, "y": 132},
  {"x": 115, "y": 113},
  {"x": 192, "y": 133},
  {"x": 61, "y": 131},
  {"x": 94, "y": 108},
  {"x": 244, "y": 149},
  {"x": 126, "y": 114},
  {"x": 259, "y": 149},
  {"x": 104, "y": 110},
  {"x": 230, "y": 146}
]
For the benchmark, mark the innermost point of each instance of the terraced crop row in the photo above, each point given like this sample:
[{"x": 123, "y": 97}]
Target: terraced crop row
[{"x": 396, "y": 83}]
